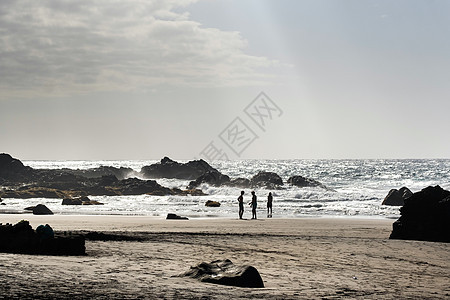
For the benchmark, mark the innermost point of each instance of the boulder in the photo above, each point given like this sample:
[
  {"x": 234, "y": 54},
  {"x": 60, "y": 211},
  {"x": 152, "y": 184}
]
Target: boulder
[
  {"x": 301, "y": 181},
  {"x": 175, "y": 217},
  {"x": 74, "y": 201},
  {"x": 239, "y": 182},
  {"x": 168, "y": 168},
  {"x": 211, "y": 203},
  {"x": 211, "y": 178},
  {"x": 13, "y": 170},
  {"x": 397, "y": 197},
  {"x": 425, "y": 216},
  {"x": 226, "y": 273},
  {"x": 21, "y": 238},
  {"x": 266, "y": 179},
  {"x": 40, "y": 209}
]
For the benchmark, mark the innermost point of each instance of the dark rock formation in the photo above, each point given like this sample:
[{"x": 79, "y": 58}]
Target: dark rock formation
[
  {"x": 21, "y": 238},
  {"x": 266, "y": 179},
  {"x": 211, "y": 203},
  {"x": 175, "y": 217},
  {"x": 424, "y": 217},
  {"x": 226, "y": 273},
  {"x": 27, "y": 192},
  {"x": 301, "y": 181},
  {"x": 168, "y": 168},
  {"x": 80, "y": 201},
  {"x": 212, "y": 178},
  {"x": 119, "y": 173},
  {"x": 40, "y": 209},
  {"x": 25, "y": 182},
  {"x": 397, "y": 197}
]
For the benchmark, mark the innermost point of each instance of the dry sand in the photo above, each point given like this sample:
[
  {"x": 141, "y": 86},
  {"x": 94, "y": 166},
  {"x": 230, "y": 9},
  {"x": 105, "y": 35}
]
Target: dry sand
[{"x": 297, "y": 259}]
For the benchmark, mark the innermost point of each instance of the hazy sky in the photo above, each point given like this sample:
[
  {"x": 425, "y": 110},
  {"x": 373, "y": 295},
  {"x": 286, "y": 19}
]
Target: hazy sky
[{"x": 143, "y": 79}]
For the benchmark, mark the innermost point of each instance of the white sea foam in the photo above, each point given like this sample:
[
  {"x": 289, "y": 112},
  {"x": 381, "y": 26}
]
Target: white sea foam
[{"x": 357, "y": 188}]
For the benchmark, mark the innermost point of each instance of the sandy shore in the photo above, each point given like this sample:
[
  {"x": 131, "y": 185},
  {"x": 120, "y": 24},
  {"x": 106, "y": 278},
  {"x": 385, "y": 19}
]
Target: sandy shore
[{"x": 297, "y": 259}]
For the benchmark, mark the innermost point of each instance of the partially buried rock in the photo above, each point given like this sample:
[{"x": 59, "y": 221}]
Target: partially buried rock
[
  {"x": 211, "y": 203},
  {"x": 226, "y": 273},
  {"x": 80, "y": 201},
  {"x": 424, "y": 217},
  {"x": 397, "y": 197},
  {"x": 175, "y": 217}
]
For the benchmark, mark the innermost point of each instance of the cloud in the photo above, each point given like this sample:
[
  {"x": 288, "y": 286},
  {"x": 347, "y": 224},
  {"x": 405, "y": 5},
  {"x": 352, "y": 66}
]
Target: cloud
[{"x": 61, "y": 46}]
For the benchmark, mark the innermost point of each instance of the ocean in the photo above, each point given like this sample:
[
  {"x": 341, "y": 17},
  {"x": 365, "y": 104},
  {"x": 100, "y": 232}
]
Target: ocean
[{"x": 356, "y": 188}]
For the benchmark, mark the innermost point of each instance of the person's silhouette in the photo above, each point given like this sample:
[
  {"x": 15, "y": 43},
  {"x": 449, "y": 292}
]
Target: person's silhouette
[
  {"x": 241, "y": 204},
  {"x": 254, "y": 204},
  {"x": 269, "y": 205}
]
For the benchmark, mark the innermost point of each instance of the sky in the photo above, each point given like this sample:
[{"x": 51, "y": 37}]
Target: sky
[{"x": 224, "y": 79}]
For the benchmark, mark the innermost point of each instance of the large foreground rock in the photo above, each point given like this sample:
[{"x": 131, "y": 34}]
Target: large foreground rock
[
  {"x": 168, "y": 168},
  {"x": 424, "y": 217},
  {"x": 226, "y": 273},
  {"x": 397, "y": 197},
  {"x": 21, "y": 238}
]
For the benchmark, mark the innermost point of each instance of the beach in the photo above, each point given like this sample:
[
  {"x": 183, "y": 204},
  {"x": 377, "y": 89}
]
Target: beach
[{"x": 302, "y": 258}]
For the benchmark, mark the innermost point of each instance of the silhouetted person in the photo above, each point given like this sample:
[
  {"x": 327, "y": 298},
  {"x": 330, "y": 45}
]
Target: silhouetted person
[
  {"x": 254, "y": 204},
  {"x": 269, "y": 205},
  {"x": 241, "y": 204}
]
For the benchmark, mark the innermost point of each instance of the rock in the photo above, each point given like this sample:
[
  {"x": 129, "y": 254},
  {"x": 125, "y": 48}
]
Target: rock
[
  {"x": 135, "y": 186},
  {"x": 119, "y": 173},
  {"x": 168, "y": 168},
  {"x": 70, "y": 201},
  {"x": 425, "y": 216},
  {"x": 211, "y": 203},
  {"x": 41, "y": 209},
  {"x": 175, "y": 217},
  {"x": 397, "y": 197},
  {"x": 34, "y": 192},
  {"x": 226, "y": 273},
  {"x": 301, "y": 181},
  {"x": 212, "y": 178},
  {"x": 266, "y": 179},
  {"x": 13, "y": 170},
  {"x": 21, "y": 238},
  {"x": 239, "y": 182},
  {"x": 80, "y": 201}
]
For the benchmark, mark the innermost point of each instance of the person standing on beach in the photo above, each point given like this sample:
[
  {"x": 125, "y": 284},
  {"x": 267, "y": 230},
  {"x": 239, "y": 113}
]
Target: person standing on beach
[
  {"x": 269, "y": 205},
  {"x": 254, "y": 204},
  {"x": 241, "y": 204}
]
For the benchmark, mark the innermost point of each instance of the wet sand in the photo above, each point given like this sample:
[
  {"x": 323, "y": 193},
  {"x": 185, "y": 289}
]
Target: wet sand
[{"x": 323, "y": 258}]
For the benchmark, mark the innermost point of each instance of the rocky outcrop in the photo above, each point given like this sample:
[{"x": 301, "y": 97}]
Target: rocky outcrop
[
  {"x": 211, "y": 203},
  {"x": 424, "y": 217},
  {"x": 226, "y": 273},
  {"x": 301, "y": 181},
  {"x": 80, "y": 201},
  {"x": 12, "y": 170},
  {"x": 397, "y": 197},
  {"x": 175, "y": 217},
  {"x": 119, "y": 173},
  {"x": 266, "y": 179},
  {"x": 21, "y": 238},
  {"x": 211, "y": 178},
  {"x": 28, "y": 192},
  {"x": 239, "y": 182},
  {"x": 168, "y": 168}
]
